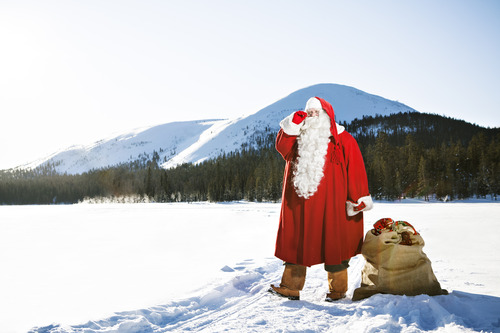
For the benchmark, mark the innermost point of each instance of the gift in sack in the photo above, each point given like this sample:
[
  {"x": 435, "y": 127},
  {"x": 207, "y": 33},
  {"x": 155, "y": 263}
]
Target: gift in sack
[{"x": 395, "y": 262}]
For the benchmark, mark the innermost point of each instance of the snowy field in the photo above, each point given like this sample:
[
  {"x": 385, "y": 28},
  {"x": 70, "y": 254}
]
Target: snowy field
[{"x": 206, "y": 267}]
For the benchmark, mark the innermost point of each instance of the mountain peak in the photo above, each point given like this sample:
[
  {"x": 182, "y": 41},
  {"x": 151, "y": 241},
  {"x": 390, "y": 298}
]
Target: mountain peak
[
  {"x": 195, "y": 141},
  {"x": 348, "y": 102}
]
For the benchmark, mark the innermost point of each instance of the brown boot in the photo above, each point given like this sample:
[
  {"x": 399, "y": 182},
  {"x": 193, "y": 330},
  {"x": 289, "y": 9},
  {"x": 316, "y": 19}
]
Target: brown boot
[
  {"x": 337, "y": 283},
  {"x": 292, "y": 282}
]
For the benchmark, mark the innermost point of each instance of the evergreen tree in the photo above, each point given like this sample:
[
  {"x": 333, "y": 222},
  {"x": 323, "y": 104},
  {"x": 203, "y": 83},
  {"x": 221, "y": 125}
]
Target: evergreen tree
[{"x": 423, "y": 181}]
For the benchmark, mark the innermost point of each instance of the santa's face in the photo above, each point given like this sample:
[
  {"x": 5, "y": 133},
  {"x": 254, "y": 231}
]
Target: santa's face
[
  {"x": 315, "y": 121},
  {"x": 312, "y": 112}
]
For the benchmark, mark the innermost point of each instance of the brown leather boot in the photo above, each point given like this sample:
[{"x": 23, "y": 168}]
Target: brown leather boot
[
  {"x": 337, "y": 283},
  {"x": 292, "y": 282}
]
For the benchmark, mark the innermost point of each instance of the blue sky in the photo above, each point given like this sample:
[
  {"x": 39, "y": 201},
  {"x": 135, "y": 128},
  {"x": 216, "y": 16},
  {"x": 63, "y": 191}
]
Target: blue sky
[{"x": 73, "y": 72}]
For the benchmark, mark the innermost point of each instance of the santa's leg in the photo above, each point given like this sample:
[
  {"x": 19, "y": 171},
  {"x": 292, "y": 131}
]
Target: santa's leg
[
  {"x": 292, "y": 282},
  {"x": 337, "y": 285}
]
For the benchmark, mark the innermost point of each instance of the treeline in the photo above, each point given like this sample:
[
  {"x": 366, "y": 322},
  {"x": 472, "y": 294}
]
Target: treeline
[
  {"x": 251, "y": 174},
  {"x": 406, "y": 155},
  {"x": 429, "y": 130},
  {"x": 254, "y": 175},
  {"x": 449, "y": 171},
  {"x": 415, "y": 154}
]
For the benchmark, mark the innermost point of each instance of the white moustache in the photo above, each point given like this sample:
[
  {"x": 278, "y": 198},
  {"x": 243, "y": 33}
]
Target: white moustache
[{"x": 321, "y": 121}]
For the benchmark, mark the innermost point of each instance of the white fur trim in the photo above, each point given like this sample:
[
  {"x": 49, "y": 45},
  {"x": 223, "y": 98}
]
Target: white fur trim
[
  {"x": 351, "y": 205},
  {"x": 340, "y": 128},
  {"x": 289, "y": 127},
  {"x": 313, "y": 103}
]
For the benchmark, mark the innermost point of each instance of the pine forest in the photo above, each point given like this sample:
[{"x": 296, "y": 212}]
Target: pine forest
[{"x": 407, "y": 155}]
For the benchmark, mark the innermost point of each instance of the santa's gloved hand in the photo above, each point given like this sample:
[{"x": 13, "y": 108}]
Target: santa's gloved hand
[
  {"x": 299, "y": 117},
  {"x": 292, "y": 124},
  {"x": 363, "y": 204}
]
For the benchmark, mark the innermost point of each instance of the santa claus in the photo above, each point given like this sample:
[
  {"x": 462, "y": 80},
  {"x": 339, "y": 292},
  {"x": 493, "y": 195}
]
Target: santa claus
[{"x": 325, "y": 191}]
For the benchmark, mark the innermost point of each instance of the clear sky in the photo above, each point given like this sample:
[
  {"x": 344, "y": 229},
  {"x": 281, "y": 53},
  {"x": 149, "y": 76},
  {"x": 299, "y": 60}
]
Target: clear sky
[{"x": 72, "y": 72}]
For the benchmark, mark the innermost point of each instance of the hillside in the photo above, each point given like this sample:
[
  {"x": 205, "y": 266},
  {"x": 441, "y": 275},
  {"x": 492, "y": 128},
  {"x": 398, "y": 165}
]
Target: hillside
[
  {"x": 430, "y": 130},
  {"x": 169, "y": 140},
  {"x": 196, "y": 141}
]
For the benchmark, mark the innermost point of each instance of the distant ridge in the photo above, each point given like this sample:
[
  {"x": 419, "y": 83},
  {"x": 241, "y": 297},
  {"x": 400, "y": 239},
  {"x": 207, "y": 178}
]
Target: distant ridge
[{"x": 196, "y": 141}]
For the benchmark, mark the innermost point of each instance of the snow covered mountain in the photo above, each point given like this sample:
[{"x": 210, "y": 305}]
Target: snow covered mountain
[{"x": 196, "y": 141}]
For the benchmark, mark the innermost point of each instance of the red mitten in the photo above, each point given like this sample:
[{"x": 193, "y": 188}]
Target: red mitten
[{"x": 299, "y": 117}]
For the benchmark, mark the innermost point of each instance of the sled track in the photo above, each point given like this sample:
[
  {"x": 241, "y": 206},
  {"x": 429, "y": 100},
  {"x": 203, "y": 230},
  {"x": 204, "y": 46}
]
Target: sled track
[{"x": 214, "y": 316}]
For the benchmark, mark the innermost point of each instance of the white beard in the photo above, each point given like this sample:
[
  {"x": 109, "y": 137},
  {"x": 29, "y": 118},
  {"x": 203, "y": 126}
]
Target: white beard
[{"x": 312, "y": 148}]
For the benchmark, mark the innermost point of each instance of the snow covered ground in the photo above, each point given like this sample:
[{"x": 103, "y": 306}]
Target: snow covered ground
[{"x": 206, "y": 267}]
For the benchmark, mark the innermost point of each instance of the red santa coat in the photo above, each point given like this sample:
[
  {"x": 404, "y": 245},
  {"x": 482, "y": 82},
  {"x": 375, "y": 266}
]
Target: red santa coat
[{"x": 319, "y": 230}]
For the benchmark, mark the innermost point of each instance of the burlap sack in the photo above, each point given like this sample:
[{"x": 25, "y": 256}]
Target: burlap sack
[{"x": 392, "y": 268}]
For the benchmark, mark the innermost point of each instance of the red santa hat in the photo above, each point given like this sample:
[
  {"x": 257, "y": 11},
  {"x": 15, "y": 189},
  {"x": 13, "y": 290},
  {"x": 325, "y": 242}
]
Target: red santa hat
[{"x": 329, "y": 110}]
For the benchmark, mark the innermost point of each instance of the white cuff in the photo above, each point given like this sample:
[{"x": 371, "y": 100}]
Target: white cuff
[
  {"x": 289, "y": 127},
  {"x": 363, "y": 204}
]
